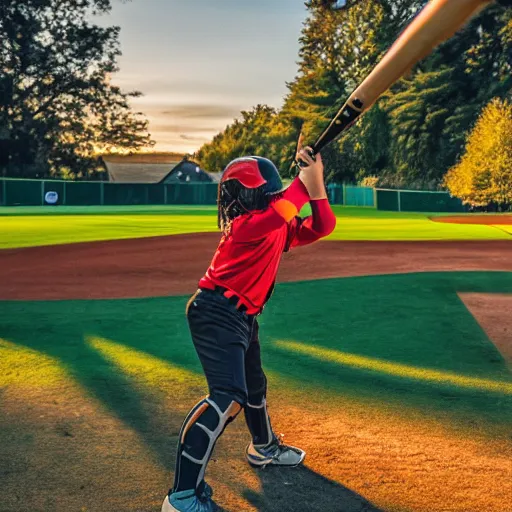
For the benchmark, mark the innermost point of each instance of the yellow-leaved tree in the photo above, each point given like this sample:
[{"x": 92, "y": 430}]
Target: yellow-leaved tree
[{"x": 483, "y": 177}]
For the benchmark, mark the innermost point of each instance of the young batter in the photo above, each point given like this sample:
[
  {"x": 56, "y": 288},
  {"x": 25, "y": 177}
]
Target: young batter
[{"x": 259, "y": 221}]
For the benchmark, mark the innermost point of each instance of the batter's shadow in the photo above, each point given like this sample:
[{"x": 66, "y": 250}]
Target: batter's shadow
[{"x": 301, "y": 489}]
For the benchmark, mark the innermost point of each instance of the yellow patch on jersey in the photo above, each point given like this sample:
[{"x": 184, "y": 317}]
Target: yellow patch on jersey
[{"x": 286, "y": 209}]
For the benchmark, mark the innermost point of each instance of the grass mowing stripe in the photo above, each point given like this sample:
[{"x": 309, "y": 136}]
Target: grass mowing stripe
[{"x": 506, "y": 228}]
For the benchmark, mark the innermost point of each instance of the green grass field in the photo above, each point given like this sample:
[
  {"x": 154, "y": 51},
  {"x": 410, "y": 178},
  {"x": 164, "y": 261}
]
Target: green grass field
[
  {"x": 94, "y": 393},
  {"x": 32, "y": 226},
  {"x": 388, "y": 382},
  {"x": 333, "y": 349}
]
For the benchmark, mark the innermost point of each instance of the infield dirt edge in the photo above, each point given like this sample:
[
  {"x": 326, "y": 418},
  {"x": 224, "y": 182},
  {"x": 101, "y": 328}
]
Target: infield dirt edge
[{"x": 173, "y": 265}]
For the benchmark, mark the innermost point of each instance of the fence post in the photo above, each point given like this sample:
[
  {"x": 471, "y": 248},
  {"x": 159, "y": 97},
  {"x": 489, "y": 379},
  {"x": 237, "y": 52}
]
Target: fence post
[
  {"x": 344, "y": 195},
  {"x": 102, "y": 193},
  {"x": 64, "y": 194},
  {"x": 42, "y": 192},
  {"x": 399, "y": 202},
  {"x": 4, "y": 193},
  {"x": 165, "y": 193}
]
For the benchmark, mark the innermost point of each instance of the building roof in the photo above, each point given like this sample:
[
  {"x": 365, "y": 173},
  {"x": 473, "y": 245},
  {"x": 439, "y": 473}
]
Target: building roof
[
  {"x": 138, "y": 172},
  {"x": 127, "y": 171},
  {"x": 187, "y": 171}
]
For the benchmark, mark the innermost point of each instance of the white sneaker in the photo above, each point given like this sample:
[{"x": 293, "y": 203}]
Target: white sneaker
[{"x": 274, "y": 454}]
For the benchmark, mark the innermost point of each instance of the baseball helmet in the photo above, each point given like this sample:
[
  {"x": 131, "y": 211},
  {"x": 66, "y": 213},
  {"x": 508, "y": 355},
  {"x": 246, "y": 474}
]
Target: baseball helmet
[{"x": 253, "y": 172}]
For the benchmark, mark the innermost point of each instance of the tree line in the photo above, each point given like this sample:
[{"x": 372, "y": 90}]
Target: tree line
[
  {"x": 59, "y": 108},
  {"x": 416, "y": 133}
]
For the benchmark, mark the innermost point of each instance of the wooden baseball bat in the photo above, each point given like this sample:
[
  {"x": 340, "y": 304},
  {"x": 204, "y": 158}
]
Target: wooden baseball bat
[{"x": 437, "y": 22}]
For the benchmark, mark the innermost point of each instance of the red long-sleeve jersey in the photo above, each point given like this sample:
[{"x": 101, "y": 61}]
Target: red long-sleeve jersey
[{"x": 247, "y": 259}]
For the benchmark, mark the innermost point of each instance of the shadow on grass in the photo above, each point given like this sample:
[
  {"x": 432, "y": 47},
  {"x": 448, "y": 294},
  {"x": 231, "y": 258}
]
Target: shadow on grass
[
  {"x": 289, "y": 490},
  {"x": 414, "y": 319}
]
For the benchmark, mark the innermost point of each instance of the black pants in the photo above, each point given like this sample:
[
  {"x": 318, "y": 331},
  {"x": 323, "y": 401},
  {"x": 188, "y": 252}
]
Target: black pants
[{"x": 227, "y": 343}]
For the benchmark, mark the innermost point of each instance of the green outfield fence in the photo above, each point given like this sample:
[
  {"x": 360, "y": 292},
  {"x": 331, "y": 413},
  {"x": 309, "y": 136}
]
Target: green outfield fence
[
  {"x": 350, "y": 195},
  {"x": 21, "y": 192},
  {"x": 416, "y": 201}
]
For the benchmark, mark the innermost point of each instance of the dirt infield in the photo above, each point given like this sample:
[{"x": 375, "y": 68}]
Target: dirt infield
[
  {"x": 492, "y": 311},
  {"x": 162, "y": 266},
  {"x": 488, "y": 220}
]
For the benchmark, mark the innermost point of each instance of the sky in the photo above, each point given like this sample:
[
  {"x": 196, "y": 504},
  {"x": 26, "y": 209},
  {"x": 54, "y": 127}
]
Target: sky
[{"x": 200, "y": 62}]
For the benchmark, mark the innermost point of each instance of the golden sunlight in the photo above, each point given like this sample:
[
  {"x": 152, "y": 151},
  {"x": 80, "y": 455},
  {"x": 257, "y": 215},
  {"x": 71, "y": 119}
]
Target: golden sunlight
[
  {"x": 398, "y": 369},
  {"x": 25, "y": 367},
  {"x": 146, "y": 369}
]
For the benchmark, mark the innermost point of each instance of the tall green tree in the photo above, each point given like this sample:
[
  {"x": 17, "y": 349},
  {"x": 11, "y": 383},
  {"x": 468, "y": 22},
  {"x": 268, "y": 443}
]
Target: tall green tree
[
  {"x": 330, "y": 65},
  {"x": 417, "y": 117},
  {"x": 432, "y": 111},
  {"x": 58, "y": 105},
  {"x": 248, "y": 135},
  {"x": 416, "y": 132}
]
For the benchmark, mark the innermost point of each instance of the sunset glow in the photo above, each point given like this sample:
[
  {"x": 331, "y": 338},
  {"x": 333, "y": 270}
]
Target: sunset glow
[{"x": 200, "y": 63}]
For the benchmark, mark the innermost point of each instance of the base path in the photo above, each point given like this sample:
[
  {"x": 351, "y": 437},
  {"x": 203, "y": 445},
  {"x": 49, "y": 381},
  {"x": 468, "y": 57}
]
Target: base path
[
  {"x": 488, "y": 220},
  {"x": 173, "y": 265},
  {"x": 492, "y": 312}
]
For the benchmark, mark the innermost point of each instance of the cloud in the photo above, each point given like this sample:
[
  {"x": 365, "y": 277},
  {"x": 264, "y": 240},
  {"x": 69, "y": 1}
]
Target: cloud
[
  {"x": 203, "y": 111},
  {"x": 216, "y": 85},
  {"x": 194, "y": 139},
  {"x": 184, "y": 127}
]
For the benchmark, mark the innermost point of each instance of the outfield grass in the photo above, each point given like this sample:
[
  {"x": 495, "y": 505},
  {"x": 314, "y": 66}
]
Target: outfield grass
[
  {"x": 507, "y": 228},
  {"x": 369, "y": 224},
  {"x": 27, "y": 230},
  {"x": 36, "y": 211},
  {"x": 421, "y": 349},
  {"x": 33, "y": 226}
]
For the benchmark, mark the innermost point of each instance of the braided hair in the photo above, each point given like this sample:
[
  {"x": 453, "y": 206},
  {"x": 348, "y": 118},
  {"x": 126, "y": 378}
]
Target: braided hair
[{"x": 234, "y": 200}]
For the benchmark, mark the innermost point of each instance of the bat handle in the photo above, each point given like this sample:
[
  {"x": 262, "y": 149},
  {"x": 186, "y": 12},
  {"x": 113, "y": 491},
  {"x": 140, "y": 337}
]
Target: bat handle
[{"x": 312, "y": 153}]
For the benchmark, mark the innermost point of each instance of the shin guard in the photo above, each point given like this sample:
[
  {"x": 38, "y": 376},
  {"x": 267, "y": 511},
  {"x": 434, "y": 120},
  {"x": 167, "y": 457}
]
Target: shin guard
[
  {"x": 258, "y": 421},
  {"x": 199, "y": 433}
]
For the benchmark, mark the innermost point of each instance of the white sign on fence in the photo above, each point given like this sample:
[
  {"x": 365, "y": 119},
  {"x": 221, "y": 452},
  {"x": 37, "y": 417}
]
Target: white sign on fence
[{"x": 51, "y": 197}]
